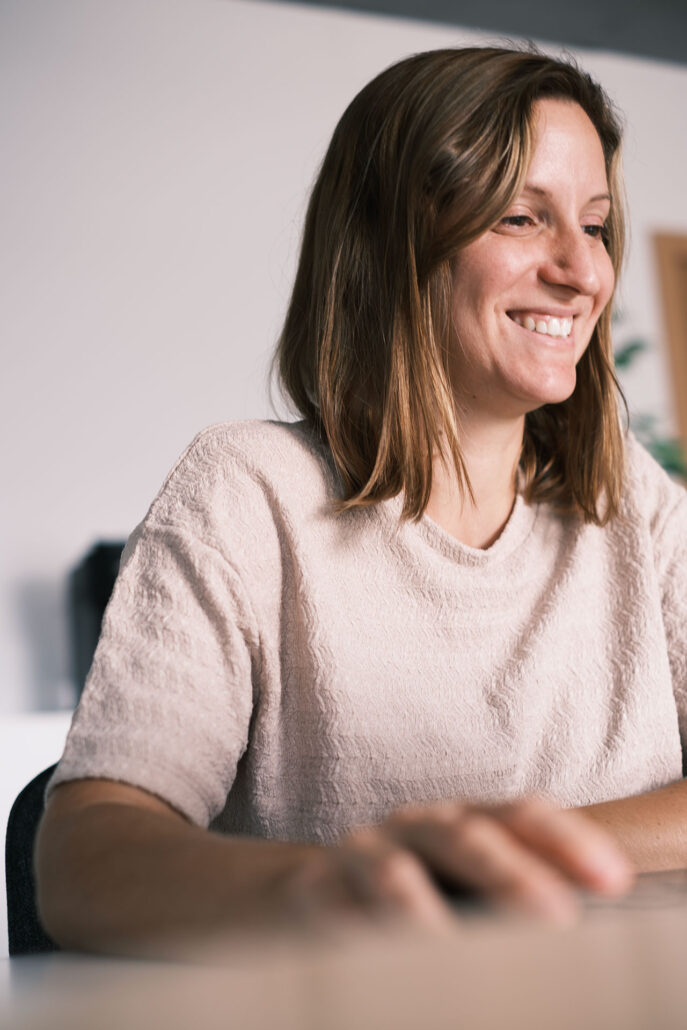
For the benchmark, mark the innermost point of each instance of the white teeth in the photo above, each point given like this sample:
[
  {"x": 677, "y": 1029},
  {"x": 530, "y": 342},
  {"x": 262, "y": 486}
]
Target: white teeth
[{"x": 547, "y": 327}]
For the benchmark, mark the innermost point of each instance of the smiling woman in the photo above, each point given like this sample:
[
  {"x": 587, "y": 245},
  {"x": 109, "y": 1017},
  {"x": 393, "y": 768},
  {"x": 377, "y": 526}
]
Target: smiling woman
[
  {"x": 363, "y": 648},
  {"x": 528, "y": 294},
  {"x": 526, "y": 299}
]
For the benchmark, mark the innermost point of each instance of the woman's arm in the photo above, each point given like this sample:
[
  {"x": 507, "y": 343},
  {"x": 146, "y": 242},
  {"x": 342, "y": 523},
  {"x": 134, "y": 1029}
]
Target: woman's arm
[
  {"x": 120, "y": 871},
  {"x": 650, "y": 828}
]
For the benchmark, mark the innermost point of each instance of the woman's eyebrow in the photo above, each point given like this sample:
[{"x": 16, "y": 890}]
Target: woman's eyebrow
[{"x": 542, "y": 192}]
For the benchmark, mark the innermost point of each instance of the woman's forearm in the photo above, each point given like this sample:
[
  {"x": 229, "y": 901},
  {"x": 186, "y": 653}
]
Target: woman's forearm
[
  {"x": 650, "y": 828},
  {"x": 123, "y": 878}
]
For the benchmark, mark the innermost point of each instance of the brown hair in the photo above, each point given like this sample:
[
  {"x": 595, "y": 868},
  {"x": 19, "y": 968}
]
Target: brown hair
[{"x": 427, "y": 157}]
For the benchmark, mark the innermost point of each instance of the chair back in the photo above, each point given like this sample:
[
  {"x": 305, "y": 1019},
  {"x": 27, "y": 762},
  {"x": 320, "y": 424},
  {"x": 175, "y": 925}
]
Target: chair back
[{"x": 25, "y": 933}]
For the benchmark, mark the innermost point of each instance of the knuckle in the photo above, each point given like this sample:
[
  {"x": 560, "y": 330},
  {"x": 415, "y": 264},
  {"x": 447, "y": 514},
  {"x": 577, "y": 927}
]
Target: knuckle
[
  {"x": 395, "y": 871},
  {"x": 448, "y": 813},
  {"x": 436, "y": 812},
  {"x": 405, "y": 816},
  {"x": 474, "y": 831},
  {"x": 362, "y": 838},
  {"x": 528, "y": 811},
  {"x": 535, "y": 806}
]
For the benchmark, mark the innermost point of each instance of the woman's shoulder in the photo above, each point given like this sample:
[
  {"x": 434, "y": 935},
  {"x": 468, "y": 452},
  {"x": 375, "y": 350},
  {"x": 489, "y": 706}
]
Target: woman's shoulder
[
  {"x": 250, "y": 463},
  {"x": 650, "y": 493},
  {"x": 256, "y": 444}
]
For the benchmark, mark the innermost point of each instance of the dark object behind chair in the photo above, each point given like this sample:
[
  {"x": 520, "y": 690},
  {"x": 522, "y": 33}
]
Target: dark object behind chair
[
  {"x": 25, "y": 933},
  {"x": 90, "y": 586}
]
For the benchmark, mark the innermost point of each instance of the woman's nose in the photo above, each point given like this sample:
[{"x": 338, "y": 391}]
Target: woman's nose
[{"x": 570, "y": 261}]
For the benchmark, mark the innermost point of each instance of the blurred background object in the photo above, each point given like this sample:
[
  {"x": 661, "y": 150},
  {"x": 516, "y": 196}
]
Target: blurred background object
[{"x": 90, "y": 586}]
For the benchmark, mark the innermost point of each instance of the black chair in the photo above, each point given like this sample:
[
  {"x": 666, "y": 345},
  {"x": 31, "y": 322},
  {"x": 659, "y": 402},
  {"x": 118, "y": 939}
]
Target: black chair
[{"x": 26, "y": 935}]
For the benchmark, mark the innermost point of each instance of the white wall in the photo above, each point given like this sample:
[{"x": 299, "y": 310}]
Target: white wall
[{"x": 156, "y": 158}]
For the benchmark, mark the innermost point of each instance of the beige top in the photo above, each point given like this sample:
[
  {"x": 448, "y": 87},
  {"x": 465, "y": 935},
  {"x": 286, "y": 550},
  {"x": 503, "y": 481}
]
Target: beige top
[{"x": 283, "y": 672}]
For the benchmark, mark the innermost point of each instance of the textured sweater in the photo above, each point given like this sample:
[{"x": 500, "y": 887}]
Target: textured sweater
[{"x": 273, "y": 669}]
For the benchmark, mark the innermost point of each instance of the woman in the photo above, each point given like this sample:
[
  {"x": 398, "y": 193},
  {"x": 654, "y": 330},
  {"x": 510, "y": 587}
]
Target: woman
[{"x": 363, "y": 647}]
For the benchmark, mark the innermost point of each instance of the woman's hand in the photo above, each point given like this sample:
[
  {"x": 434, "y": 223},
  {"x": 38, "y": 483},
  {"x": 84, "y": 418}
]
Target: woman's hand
[
  {"x": 525, "y": 856},
  {"x": 119, "y": 871}
]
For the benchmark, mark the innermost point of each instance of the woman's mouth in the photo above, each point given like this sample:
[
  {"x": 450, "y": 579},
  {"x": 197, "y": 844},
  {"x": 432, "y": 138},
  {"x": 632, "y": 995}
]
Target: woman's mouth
[{"x": 547, "y": 325}]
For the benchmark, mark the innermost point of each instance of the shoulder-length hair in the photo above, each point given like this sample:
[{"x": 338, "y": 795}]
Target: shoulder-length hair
[{"x": 428, "y": 156}]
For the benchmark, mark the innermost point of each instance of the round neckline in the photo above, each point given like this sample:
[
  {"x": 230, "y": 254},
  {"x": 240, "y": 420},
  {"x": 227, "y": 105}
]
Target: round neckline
[{"x": 518, "y": 526}]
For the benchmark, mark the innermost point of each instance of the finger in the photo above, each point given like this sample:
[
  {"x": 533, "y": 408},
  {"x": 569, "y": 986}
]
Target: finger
[
  {"x": 368, "y": 877},
  {"x": 391, "y": 881},
  {"x": 470, "y": 846},
  {"x": 573, "y": 843}
]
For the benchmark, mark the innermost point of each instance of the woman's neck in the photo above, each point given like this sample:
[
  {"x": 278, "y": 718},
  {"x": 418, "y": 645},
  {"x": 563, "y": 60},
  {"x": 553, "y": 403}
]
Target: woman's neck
[{"x": 491, "y": 454}]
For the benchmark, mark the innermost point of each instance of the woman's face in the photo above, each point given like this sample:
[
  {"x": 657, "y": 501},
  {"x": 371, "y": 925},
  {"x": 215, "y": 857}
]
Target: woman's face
[{"x": 527, "y": 293}]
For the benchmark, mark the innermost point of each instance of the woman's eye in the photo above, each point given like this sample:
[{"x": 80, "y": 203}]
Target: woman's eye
[
  {"x": 516, "y": 221},
  {"x": 597, "y": 232}
]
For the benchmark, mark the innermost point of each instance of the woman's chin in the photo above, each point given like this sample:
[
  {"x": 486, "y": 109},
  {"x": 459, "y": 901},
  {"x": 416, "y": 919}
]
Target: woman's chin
[{"x": 554, "y": 391}]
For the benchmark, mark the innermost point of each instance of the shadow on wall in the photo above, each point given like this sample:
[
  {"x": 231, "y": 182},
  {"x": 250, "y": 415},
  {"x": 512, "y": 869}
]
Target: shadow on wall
[{"x": 42, "y": 622}]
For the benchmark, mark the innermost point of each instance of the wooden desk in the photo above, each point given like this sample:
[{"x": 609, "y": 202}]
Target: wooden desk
[{"x": 621, "y": 968}]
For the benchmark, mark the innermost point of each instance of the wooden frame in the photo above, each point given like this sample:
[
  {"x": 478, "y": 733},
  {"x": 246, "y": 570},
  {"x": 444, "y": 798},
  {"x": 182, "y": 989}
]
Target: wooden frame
[{"x": 671, "y": 252}]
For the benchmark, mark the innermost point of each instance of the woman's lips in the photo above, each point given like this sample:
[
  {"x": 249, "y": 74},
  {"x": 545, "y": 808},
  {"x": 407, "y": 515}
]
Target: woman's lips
[{"x": 547, "y": 325}]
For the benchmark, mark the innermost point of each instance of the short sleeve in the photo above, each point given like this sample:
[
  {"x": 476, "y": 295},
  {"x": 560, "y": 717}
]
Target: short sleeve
[{"x": 168, "y": 702}]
